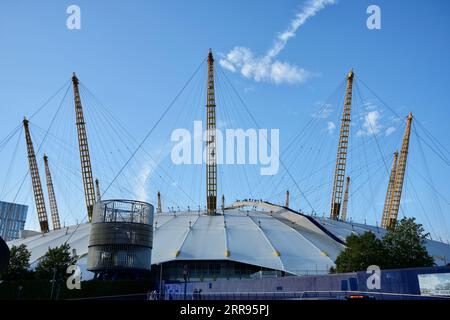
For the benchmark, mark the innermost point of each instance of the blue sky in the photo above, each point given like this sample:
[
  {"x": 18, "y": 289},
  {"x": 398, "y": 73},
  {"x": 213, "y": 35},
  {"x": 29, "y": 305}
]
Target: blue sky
[{"x": 135, "y": 57}]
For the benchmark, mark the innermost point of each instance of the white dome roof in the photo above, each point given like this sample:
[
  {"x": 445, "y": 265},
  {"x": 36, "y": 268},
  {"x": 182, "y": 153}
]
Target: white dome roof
[{"x": 278, "y": 239}]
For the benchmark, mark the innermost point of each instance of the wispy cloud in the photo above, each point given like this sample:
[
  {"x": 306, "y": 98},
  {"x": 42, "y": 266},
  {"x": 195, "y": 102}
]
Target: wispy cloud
[
  {"x": 146, "y": 171},
  {"x": 373, "y": 121},
  {"x": 267, "y": 68},
  {"x": 390, "y": 131},
  {"x": 324, "y": 112},
  {"x": 330, "y": 127},
  {"x": 144, "y": 175},
  {"x": 371, "y": 124}
]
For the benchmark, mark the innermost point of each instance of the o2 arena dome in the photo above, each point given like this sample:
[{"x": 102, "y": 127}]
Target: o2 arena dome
[
  {"x": 243, "y": 240},
  {"x": 235, "y": 243}
]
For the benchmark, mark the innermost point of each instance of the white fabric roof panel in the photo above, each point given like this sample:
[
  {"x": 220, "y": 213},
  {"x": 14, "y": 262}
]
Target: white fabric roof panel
[
  {"x": 288, "y": 242},
  {"x": 39, "y": 244},
  {"x": 247, "y": 242},
  {"x": 203, "y": 230},
  {"x": 282, "y": 240}
]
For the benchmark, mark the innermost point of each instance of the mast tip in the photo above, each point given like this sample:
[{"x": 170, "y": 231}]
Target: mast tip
[
  {"x": 350, "y": 73},
  {"x": 210, "y": 55}
]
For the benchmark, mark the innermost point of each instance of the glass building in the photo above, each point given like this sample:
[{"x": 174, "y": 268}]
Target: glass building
[{"x": 12, "y": 220}]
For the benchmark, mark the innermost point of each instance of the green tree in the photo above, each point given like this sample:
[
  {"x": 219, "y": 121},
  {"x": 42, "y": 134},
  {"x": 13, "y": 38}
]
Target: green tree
[
  {"x": 405, "y": 245},
  {"x": 19, "y": 263},
  {"x": 55, "y": 262},
  {"x": 361, "y": 251}
]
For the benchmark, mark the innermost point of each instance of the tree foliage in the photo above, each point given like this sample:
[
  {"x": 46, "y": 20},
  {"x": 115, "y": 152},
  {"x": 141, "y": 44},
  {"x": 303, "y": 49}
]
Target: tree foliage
[
  {"x": 55, "y": 262},
  {"x": 403, "y": 246},
  {"x": 19, "y": 263},
  {"x": 361, "y": 252}
]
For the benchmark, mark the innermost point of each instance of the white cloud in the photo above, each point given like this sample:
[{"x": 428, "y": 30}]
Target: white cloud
[
  {"x": 144, "y": 174},
  {"x": 396, "y": 120},
  {"x": 226, "y": 64},
  {"x": 369, "y": 105},
  {"x": 371, "y": 124},
  {"x": 390, "y": 131},
  {"x": 266, "y": 68},
  {"x": 324, "y": 112},
  {"x": 330, "y": 127}
]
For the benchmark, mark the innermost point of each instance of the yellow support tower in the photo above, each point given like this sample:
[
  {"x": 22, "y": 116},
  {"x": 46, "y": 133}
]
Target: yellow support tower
[
  {"x": 389, "y": 193},
  {"x": 400, "y": 175},
  {"x": 345, "y": 203},
  {"x": 36, "y": 180},
  {"x": 51, "y": 196},
  {"x": 211, "y": 163},
  {"x": 341, "y": 159},
  {"x": 86, "y": 168}
]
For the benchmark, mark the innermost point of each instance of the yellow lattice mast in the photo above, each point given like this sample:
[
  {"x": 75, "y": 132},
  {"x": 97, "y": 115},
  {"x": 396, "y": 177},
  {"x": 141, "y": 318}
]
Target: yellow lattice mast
[
  {"x": 36, "y": 180},
  {"x": 341, "y": 159},
  {"x": 400, "y": 175},
  {"x": 86, "y": 168},
  {"x": 211, "y": 163},
  {"x": 389, "y": 192},
  {"x": 345, "y": 203},
  {"x": 51, "y": 196}
]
